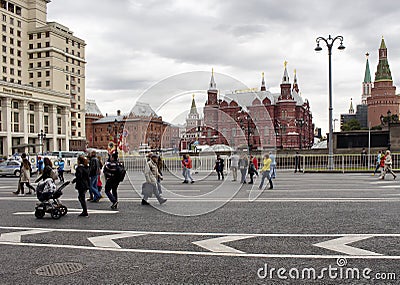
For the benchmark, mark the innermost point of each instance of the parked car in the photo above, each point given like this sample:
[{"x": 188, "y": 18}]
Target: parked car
[{"x": 12, "y": 167}]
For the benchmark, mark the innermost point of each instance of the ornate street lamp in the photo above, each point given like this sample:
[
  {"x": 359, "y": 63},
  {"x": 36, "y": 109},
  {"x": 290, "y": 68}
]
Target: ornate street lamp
[
  {"x": 389, "y": 119},
  {"x": 243, "y": 120},
  {"x": 329, "y": 43},
  {"x": 115, "y": 130},
  {"x": 42, "y": 138},
  {"x": 300, "y": 123},
  {"x": 278, "y": 131}
]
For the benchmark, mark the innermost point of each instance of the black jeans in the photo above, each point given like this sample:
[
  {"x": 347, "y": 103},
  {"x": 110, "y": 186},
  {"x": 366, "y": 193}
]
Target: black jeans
[
  {"x": 220, "y": 173},
  {"x": 82, "y": 200},
  {"x": 28, "y": 185},
  {"x": 111, "y": 185},
  {"x": 61, "y": 175}
]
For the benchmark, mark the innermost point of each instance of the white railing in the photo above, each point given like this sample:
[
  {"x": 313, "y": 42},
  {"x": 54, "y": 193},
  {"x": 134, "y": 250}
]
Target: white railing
[{"x": 317, "y": 163}]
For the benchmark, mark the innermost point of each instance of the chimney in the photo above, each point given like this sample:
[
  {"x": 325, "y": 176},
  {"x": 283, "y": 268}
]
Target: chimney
[{"x": 118, "y": 112}]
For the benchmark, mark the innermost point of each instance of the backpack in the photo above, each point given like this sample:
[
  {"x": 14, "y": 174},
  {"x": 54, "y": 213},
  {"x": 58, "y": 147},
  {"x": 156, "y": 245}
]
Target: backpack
[{"x": 121, "y": 172}]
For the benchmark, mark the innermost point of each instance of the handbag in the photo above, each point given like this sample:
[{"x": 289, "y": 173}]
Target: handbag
[
  {"x": 54, "y": 175},
  {"x": 147, "y": 189}
]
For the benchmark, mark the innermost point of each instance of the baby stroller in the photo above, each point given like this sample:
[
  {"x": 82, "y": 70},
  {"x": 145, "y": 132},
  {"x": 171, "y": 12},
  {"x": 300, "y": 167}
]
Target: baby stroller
[{"x": 48, "y": 196}]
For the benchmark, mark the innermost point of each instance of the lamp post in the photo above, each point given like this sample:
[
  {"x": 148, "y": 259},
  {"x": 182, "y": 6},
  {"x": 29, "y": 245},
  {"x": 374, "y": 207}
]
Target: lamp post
[
  {"x": 389, "y": 119},
  {"x": 41, "y": 137},
  {"x": 278, "y": 131},
  {"x": 300, "y": 123},
  {"x": 115, "y": 130},
  {"x": 329, "y": 43},
  {"x": 247, "y": 119}
]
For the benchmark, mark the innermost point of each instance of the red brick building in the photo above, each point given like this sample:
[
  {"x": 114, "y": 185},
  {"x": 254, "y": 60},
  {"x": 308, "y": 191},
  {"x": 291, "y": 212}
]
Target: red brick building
[
  {"x": 257, "y": 119},
  {"x": 92, "y": 114},
  {"x": 383, "y": 94},
  {"x": 141, "y": 128}
]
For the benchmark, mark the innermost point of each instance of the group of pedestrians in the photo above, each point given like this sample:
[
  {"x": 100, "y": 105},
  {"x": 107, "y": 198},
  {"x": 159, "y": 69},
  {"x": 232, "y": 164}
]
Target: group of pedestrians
[
  {"x": 88, "y": 177},
  {"x": 153, "y": 176},
  {"x": 384, "y": 163},
  {"x": 249, "y": 165}
]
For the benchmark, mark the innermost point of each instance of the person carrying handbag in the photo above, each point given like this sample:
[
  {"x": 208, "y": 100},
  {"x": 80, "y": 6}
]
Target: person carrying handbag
[{"x": 82, "y": 181}]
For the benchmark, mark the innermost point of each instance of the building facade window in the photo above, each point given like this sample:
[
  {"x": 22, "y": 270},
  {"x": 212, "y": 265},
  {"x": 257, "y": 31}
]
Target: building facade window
[
  {"x": 46, "y": 124},
  {"x": 59, "y": 124},
  {"x": 31, "y": 123},
  {"x": 15, "y": 121}
]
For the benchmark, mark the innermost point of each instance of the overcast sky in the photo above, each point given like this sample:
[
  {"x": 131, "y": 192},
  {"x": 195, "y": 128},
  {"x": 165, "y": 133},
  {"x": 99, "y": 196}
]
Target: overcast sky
[{"x": 132, "y": 45}]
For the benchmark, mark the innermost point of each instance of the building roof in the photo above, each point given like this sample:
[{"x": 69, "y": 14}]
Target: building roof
[
  {"x": 109, "y": 119},
  {"x": 383, "y": 44},
  {"x": 367, "y": 76},
  {"x": 213, "y": 85},
  {"x": 143, "y": 110},
  {"x": 351, "y": 109},
  {"x": 92, "y": 108},
  {"x": 246, "y": 99},
  {"x": 383, "y": 72},
  {"x": 193, "y": 108},
  {"x": 285, "y": 78}
]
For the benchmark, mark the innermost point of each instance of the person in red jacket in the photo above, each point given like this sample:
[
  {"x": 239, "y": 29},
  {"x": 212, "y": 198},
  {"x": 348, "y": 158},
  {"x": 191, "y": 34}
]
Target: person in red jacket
[
  {"x": 189, "y": 166},
  {"x": 255, "y": 162}
]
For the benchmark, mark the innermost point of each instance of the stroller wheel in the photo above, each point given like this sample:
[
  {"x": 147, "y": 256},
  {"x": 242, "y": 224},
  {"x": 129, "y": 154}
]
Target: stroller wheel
[
  {"x": 39, "y": 214},
  {"x": 63, "y": 210},
  {"x": 56, "y": 214}
]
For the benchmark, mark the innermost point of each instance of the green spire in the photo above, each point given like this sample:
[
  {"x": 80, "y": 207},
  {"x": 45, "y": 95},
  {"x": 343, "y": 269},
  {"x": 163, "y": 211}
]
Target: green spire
[
  {"x": 193, "y": 108},
  {"x": 383, "y": 70},
  {"x": 367, "y": 77},
  {"x": 351, "y": 109}
]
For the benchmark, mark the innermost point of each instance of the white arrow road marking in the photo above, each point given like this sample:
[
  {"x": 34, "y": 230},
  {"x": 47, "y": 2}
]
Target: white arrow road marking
[
  {"x": 215, "y": 244},
  {"x": 340, "y": 245},
  {"x": 71, "y": 211},
  {"x": 16, "y": 236},
  {"x": 107, "y": 240}
]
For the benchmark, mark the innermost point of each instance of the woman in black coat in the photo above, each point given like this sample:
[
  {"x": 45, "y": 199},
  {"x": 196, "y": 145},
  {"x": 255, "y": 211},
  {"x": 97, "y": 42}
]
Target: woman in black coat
[
  {"x": 47, "y": 171},
  {"x": 82, "y": 181}
]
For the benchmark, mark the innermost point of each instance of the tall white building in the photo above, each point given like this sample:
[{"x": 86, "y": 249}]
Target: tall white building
[{"x": 42, "y": 85}]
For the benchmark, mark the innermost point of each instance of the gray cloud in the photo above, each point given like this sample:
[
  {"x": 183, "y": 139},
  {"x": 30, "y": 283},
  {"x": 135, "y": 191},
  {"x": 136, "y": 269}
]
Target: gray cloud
[{"x": 132, "y": 44}]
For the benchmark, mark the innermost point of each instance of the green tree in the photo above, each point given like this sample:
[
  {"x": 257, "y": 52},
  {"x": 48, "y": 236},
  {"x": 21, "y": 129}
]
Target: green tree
[{"x": 351, "y": 125}]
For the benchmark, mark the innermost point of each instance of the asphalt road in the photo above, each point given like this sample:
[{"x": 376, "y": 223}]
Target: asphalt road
[{"x": 336, "y": 226}]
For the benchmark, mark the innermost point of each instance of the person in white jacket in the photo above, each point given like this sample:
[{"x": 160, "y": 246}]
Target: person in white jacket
[
  {"x": 151, "y": 174},
  {"x": 388, "y": 165}
]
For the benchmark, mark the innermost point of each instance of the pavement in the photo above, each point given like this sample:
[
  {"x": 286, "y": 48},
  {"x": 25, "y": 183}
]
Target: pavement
[{"x": 310, "y": 229}]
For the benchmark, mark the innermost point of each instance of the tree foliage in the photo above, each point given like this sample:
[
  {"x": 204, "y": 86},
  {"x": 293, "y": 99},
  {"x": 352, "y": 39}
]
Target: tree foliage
[{"x": 351, "y": 125}]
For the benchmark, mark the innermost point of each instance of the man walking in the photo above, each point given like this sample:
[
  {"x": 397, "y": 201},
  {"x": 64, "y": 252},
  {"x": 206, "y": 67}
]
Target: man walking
[
  {"x": 219, "y": 167},
  {"x": 112, "y": 173},
  {"x": 266, "y": 172},
  {"x": 234, "y": 158},
  {"x": 152, "y": 176},
  {"x": 60, "y": 169},
  {"x": 94, "y": 172},
  {"x": 243, "y": 164},
  {"x": 40, "y": 165},
  {"x": 378, "y": 162},
  {"x": 363, "y": 157},
  {"x": 273, "y": 165},
  {"x": 184, "y": 168},
  {"x": 297, "y": 162},
  {"x": 189, "y": 166}
]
